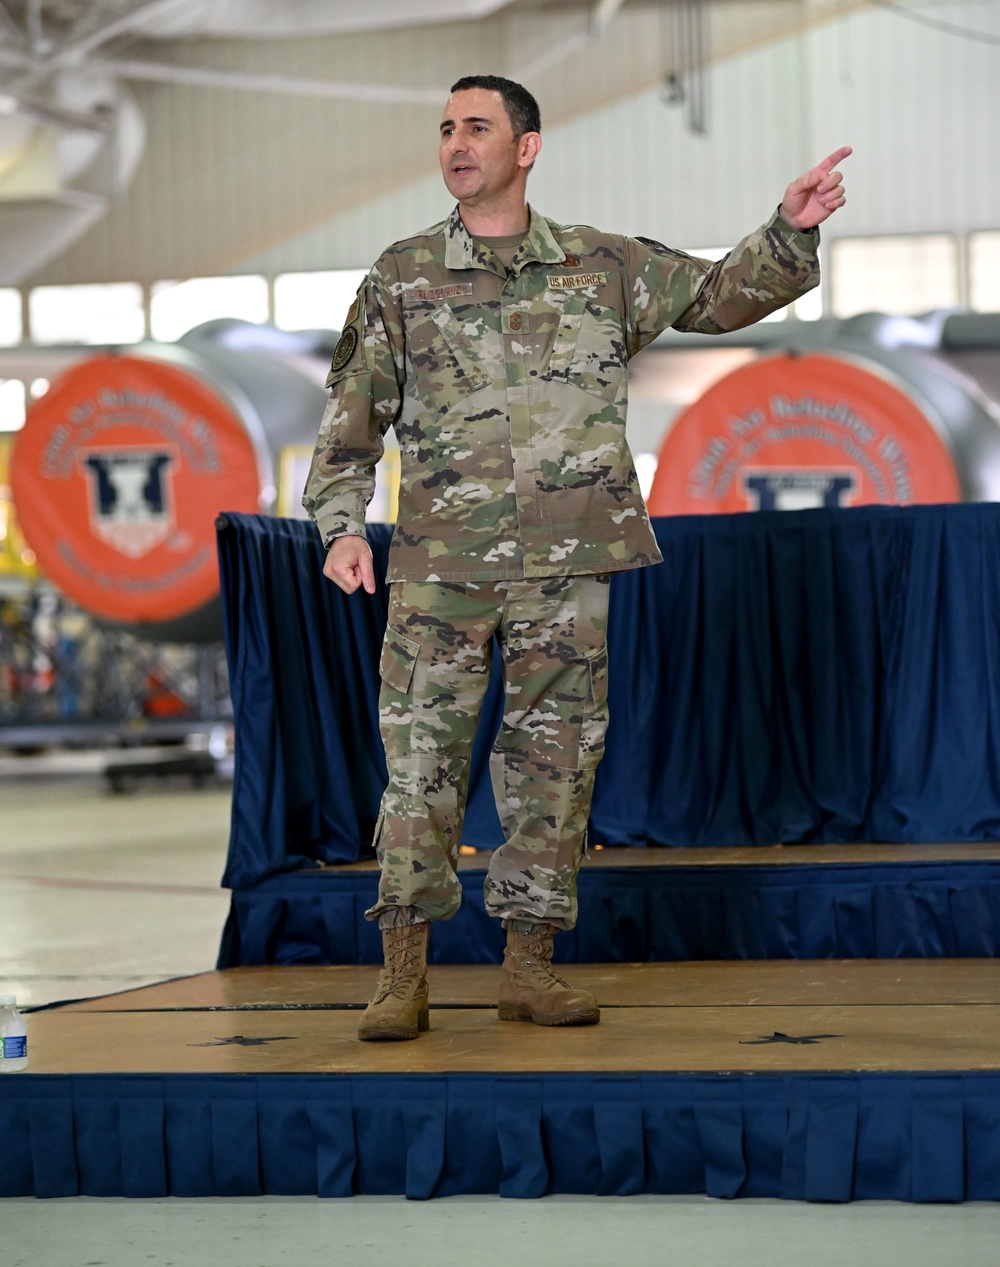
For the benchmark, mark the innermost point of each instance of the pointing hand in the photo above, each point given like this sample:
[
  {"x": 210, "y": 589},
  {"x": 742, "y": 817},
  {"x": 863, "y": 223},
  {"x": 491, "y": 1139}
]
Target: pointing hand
[{"x": 809, "y": 200}]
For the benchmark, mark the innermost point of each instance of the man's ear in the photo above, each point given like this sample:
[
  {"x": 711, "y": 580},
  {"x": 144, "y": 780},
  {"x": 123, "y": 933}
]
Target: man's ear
[{"x": 529, "y": 144}]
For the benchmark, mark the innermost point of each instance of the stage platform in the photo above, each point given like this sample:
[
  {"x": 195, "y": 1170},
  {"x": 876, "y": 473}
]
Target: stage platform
[{"x": 820, "y": 1080}]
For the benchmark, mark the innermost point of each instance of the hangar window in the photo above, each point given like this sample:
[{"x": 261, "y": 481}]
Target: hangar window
[
  {"x": 315, "y": 301},
  {"x": 984, "y": 272},
  {"x": 908, "y": 275},
  {"x": 810, "y": 306},
  {"x": 10, "y": 317},
  {"x": 177, "y": 307},
  {"x": 99, "y": 313},
  {"x": 11, "y": 405}
]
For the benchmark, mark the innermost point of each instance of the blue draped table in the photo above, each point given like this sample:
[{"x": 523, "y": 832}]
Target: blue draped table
[{"x": 810, "y": 677}]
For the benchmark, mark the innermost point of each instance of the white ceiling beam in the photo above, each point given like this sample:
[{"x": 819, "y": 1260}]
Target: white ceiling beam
[
  {"x": 249, "y": 81},
  {"x": 58, "y": 116},
  {"x": 9, "y": 29},
  {"x": 557, "y": 53},
  {"x": 16, "y": 58},
  {"x": 17, "y": 92},
  {"x": 35, "y": 27},
  {"x": 99, "y": 26},
  {"x": 95, "y": 28},
  {"x": 266, "y": 19},
  {"x": 602, "y": 15}
]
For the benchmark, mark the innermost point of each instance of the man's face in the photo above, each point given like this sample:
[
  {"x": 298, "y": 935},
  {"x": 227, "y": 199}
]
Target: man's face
[{"x": 480, "y": 158}]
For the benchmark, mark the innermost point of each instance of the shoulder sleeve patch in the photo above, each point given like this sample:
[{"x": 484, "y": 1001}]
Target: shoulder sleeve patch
[
  {"x": 345, "y": 349},
  {"x": 350, "y": 338}
]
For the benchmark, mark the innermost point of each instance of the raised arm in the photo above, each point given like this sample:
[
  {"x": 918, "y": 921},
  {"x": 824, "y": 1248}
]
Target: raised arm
[{"x": 771, "y": 267}]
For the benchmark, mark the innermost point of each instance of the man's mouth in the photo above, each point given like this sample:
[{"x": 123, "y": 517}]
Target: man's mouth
[{"x": 459, "y": 168}]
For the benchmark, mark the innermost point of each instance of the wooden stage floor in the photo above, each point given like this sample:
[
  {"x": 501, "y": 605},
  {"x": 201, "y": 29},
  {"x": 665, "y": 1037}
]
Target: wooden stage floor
[
  {"x": 766, "y": 1016},
  {"x": 727, "y": 856}
]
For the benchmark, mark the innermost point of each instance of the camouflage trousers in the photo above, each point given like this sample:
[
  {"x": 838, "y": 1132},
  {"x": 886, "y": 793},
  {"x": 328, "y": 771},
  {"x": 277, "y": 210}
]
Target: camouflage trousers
[{"x": 435, "y": 666}]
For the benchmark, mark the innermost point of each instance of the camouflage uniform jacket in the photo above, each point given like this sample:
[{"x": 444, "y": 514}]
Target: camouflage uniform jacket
[{"x": 508, "y": 390}]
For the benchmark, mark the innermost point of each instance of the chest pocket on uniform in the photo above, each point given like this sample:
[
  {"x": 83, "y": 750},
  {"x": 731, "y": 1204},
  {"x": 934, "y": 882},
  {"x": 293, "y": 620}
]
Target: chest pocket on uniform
[
  {"x": 446, "y": 365},
  {"x": 588, "y": 349},
  {"x": 567, "y": 332},
  {"x": 461, "y": 345}
]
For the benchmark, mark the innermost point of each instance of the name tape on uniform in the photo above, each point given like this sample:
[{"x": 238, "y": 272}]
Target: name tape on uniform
[{"x": 417, "y": 295}]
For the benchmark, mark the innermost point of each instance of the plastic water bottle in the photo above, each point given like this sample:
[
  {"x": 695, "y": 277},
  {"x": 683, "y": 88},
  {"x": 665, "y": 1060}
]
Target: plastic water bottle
[{"x": 13, "y": 1036}]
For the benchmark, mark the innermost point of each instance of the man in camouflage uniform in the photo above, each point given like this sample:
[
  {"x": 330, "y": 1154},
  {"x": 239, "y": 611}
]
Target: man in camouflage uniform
[{"x": 497, "y": 344}]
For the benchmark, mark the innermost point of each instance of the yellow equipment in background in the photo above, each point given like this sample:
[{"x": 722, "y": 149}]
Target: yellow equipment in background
[{"x": 16, "y": 559}]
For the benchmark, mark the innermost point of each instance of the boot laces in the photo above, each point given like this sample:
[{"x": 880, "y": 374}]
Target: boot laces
[
  {"x": 537, "y": 961},
  {"x": 400, "y": 969}
]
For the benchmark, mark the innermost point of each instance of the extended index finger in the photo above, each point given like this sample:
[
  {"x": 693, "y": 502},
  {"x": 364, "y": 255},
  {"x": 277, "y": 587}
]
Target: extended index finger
[{"x": 831, "y": 161}]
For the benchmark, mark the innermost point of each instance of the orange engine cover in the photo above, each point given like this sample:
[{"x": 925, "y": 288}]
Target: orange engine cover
[
  {"x": 791, "y": 432},
  {"x": 117, "y": 478}
]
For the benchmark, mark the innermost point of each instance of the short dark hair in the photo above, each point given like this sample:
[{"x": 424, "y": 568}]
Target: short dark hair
[{"x": 522, "y": 108}]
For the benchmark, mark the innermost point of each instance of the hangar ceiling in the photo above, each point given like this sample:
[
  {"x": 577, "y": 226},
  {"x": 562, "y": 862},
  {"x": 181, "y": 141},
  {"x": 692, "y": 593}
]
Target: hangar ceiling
[{"x": 290, "y": 113}]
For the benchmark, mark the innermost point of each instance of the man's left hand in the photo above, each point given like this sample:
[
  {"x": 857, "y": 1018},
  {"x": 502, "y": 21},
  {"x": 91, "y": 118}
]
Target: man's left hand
[{"x": 809, "y": 200}]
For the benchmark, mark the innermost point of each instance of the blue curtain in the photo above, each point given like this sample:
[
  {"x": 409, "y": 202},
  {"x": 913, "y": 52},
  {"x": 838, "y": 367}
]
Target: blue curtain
[{"x": 816, "y": 676}]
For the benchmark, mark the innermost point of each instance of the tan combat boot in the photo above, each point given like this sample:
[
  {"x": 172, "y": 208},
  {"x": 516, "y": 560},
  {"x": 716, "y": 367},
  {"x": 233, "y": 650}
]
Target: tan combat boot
[
  {"x": 531, "y": 991},
  {"x": 399, "y": 1008}
]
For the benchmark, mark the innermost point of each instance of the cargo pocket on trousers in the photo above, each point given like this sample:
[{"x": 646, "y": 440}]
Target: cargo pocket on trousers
[
  {"x": 377, "y": 834},
  {"x": 595, "y": 722},
  {"x": 398, "y": 660},
  {"x": 395, "y": 701}
]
